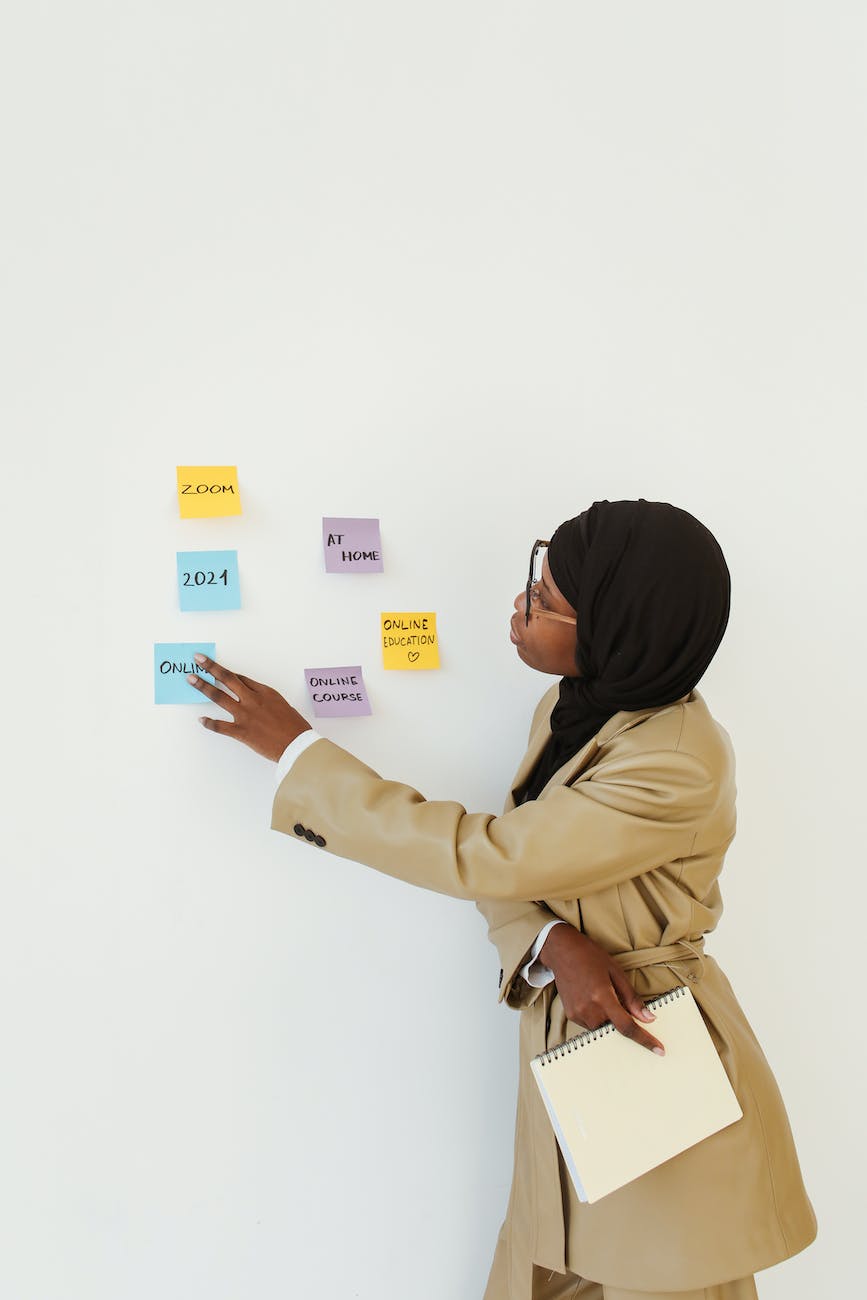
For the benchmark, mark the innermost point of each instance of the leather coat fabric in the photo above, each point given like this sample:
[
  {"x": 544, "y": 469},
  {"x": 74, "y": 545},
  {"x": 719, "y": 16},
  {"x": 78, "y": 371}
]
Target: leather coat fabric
[{"x": 627, "y": 839}]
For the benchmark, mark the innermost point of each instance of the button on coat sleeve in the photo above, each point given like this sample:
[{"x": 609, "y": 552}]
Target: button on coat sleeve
[{"x": 635, "y": 811}]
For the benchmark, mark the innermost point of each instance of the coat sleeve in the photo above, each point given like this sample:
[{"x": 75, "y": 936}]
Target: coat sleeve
[
  {"x": 636, "y": 811},
  {"x": 514, "y": 927}
]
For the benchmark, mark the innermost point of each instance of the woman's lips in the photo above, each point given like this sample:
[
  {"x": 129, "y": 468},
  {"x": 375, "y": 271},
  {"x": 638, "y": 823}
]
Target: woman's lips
[{"x": 513, "y": 637}]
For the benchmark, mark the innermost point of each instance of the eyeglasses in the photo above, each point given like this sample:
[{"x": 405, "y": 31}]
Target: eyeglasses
[{"x": 536, "y": 556}]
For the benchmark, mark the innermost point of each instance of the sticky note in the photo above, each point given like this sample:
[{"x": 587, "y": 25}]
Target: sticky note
[
  {"x": 337, "y": 692},
  {"x": 410, "y": 641},
  {"x": 352, "y": 545},
  {"x": 208, "y": 490},
  {"x": 172, "y": 661},
  {"x": 208, "y": 580}
]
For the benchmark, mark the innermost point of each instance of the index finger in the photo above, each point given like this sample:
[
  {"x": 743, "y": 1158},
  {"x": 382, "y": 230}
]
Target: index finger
[
  {"x": 624, "y": 1024},
  {"x": 220, "y": 674}
]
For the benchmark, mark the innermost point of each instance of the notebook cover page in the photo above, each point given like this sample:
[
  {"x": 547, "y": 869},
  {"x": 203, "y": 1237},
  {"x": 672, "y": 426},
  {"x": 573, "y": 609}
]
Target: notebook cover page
[{"x": 622, "y": 1110}]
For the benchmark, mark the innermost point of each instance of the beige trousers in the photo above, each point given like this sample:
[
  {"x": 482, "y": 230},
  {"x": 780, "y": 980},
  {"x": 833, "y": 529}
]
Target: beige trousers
[
  {"x": 566, "y": 1286},
  {"x": 561, "y": 1286}
]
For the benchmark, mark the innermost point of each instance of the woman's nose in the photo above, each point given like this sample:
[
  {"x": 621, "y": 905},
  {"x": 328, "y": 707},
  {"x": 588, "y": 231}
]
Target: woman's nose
[{"x": 520, "y": 601}]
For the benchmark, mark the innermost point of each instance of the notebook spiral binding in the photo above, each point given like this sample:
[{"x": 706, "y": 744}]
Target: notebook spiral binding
[{"x": 590, "y": 1035}]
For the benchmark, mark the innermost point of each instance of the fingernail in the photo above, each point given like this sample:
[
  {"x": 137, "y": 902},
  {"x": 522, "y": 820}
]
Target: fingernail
[
  {"x": 660, "y": 1051},
  {"x": 192, "y": 678},
  {"x": 648, "y": 1015},
  {"x": 200, "y": 659}
]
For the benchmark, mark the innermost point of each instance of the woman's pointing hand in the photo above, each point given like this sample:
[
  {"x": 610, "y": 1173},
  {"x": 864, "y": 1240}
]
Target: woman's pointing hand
[{"x": 261, "y": 717}]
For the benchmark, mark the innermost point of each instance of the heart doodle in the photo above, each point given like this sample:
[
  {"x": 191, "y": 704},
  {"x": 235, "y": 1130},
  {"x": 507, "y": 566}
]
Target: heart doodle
[{"x": 413, "y": 655}]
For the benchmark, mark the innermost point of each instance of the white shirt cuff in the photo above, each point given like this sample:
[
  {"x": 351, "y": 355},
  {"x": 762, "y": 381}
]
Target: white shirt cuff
[
  {"x": 294, "y": 750},
  {"x": 535, "y": 972}
]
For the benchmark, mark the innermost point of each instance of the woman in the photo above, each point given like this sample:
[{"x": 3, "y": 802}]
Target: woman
[{"x": 604, "y": 861}]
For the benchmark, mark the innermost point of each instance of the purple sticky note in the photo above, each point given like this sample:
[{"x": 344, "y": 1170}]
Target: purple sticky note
[
  {"x": 352, "y": 545},
  {"x": 337, "y": 692}
]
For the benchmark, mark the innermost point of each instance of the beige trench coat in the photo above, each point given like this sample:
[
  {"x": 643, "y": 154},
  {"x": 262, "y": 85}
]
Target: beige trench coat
[{"x": 636, "y": 826}]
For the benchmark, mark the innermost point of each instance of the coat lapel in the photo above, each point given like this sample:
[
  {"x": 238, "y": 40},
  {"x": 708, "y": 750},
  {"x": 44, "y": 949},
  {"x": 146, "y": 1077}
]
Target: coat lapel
[
  {"x": 537, "y": 743},
  {"x": 574, "y": 766}
]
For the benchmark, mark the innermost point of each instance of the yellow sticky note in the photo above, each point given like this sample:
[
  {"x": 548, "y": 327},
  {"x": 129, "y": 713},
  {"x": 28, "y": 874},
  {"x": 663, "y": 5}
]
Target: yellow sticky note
[
  {"x": 208, "y": 490},
  {"x": 410, "y": 641}
]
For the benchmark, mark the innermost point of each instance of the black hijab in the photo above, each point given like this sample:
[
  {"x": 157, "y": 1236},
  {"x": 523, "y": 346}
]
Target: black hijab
[{"x": 651, "y": 590}]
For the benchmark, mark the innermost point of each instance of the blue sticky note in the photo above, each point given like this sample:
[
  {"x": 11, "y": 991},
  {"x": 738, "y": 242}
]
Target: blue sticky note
[
  {"x": 172, "y": 661},
  {"x": 208, "y": 580}
]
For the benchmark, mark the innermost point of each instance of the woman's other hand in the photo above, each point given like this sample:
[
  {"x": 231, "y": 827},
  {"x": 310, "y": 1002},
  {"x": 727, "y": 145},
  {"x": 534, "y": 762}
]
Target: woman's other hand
[
  {"x": 593, "y": 987},
  {"x": 262, "y": 719}
]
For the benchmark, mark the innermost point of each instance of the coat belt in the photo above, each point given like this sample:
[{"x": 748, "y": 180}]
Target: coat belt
[{"x": 638, "y": 957}]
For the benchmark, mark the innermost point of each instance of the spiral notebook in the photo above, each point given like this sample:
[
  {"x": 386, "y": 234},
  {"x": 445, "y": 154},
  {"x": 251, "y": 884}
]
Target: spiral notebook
[{"x": 619, "y": 1110}]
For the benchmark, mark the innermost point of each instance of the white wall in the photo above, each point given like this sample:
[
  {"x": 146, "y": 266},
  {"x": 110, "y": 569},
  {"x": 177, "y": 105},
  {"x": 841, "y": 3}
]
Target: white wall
[{"x": 468, "y": 267}]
